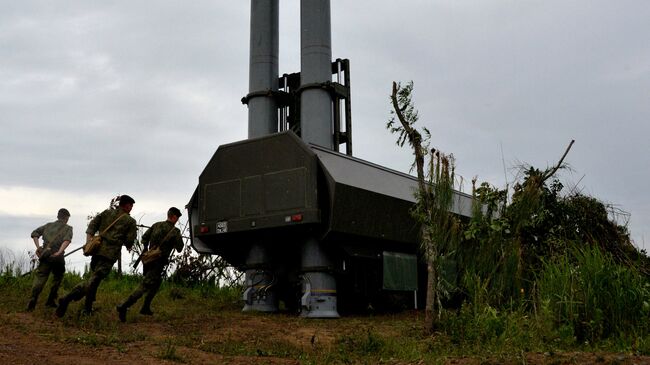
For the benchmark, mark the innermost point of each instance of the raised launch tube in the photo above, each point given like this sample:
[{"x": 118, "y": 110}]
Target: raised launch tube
[
  {"x": 262, "y": 121},
  {"x": 263, "y": 68},
  {"x": 318, "y": 284},
  {"x": 315, "y": 68}
]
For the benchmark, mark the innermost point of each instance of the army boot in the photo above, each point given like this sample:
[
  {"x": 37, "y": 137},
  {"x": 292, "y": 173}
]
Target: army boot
[
  {"x": 121, "y": 312},
  {"x": 146, "y": 308},
  {"x": 75, "y": 294},
  {"x": 51, "y": 301},
  {"x": 124, "y": 307},
  {"x": 88, "y": 308},
  {"x": 63, "y": 306},
  {"x": 31, "y": 305}
]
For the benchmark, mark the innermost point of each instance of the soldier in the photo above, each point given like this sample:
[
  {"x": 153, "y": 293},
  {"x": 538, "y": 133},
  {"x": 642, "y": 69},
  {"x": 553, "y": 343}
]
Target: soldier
[
  {"x": 165, "y": 237},
  {"x": 116, "y": 228},
  {"x": 56, "y": 238}
]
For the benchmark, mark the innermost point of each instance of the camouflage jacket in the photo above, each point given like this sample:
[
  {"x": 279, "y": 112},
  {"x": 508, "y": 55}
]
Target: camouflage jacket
[
  {"x": 54, "y": 234},
  {"x": 123, "y": 232},
  {"x": 154, "y": 236}
]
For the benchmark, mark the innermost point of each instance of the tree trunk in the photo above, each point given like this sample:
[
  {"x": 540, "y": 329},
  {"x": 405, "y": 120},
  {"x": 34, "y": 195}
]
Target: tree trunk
[
  {"x": 430, "y": 307},
  {"x": 429, "y": 312}
]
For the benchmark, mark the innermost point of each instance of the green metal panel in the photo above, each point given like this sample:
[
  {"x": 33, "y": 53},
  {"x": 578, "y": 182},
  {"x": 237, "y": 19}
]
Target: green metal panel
[
  {"x": 222, "y": 199},
  {"x": 257, "y": 183},
  {"x": 252, "y": 195},
  {"x": 400, "y": 271},
  {"x": 285, "y": 189}
]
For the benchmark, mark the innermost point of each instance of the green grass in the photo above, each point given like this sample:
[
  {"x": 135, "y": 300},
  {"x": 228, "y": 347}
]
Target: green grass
[
  {"x": 207, "y": 318},
  {"x": 588, "y": 294},
  {"x": 168, "y": 352}
]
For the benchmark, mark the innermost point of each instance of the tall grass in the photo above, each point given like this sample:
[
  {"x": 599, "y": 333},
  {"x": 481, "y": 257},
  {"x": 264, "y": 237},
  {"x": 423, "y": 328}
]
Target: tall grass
[
  {"x": 588, "y": 292},
  {"x": 583, "y": 298},
  {"x": 11, "y": 264}
]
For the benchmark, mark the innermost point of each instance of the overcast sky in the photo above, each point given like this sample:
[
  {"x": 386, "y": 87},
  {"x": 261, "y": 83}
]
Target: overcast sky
[{"x": 99, "y": 98}]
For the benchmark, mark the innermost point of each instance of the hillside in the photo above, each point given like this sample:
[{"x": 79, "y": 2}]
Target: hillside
[{"x": 205, "y": 326}]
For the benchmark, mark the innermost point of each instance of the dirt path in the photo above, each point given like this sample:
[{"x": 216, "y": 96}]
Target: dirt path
[
  {"x": 26, "y": 339},
  {"x": 40, "y": 338}
]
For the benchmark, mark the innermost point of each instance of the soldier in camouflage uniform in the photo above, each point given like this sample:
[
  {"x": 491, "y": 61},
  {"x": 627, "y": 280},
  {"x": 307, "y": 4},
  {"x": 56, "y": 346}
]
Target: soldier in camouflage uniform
[
  {"x": 56, "y": 238},
  {"x": 161, "y": 235},
  {"x": 122, "y": 231}
]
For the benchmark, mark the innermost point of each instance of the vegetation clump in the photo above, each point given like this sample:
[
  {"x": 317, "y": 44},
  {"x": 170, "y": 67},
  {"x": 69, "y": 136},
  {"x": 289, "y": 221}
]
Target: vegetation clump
[{"x": 533, "y": 260}]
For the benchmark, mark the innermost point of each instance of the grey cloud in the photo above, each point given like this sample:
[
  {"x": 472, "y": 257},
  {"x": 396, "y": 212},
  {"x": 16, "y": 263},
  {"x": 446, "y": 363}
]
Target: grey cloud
[{"x": 88, "y": 88}]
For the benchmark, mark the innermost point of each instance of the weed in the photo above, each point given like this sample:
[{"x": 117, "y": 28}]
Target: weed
[
  {"x": 89, "y": 339},
  {"x": 168, "y": 352},
  {"x": 265, "y": 348},
  {"x": 363, "y": 344},
  {"x": 177, "y": 293}
]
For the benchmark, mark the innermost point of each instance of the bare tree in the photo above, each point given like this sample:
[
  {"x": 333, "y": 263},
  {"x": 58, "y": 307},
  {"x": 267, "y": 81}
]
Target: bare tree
[{"x": 439, "y": 228}]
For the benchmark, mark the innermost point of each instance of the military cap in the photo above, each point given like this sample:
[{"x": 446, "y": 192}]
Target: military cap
[
  {"x": 174, "y": 211},
  {"x": 125, "y": 199},
  {"x": 63, "y": 213}
]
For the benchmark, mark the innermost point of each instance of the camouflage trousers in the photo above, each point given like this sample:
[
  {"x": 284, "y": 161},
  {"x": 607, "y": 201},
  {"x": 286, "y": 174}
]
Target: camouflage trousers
[
  {"x": 149, "y": 286},
  {"x": 45, "y": 268},
  {"x": 100, "y": 267}
]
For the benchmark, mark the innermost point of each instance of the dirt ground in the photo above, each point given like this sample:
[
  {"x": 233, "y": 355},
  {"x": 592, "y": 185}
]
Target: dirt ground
[
  {"x": 40, "y": 338},
  {"x": 27, "y": 339}
]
